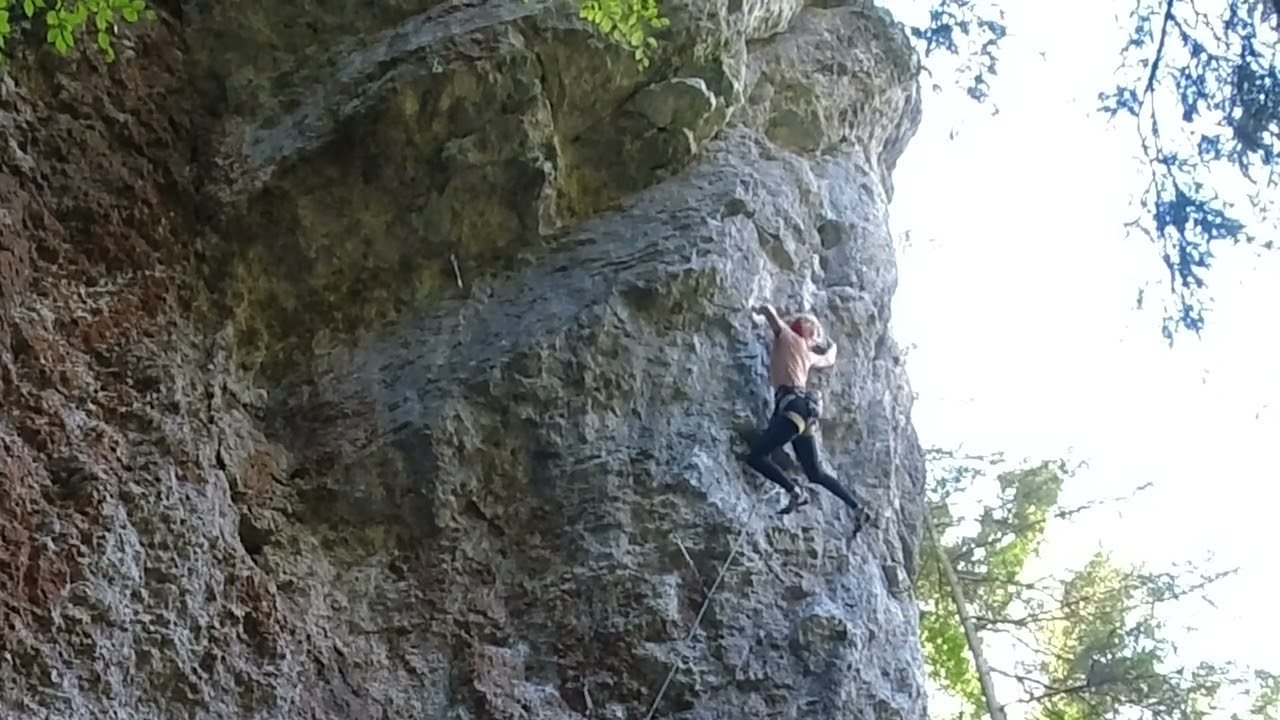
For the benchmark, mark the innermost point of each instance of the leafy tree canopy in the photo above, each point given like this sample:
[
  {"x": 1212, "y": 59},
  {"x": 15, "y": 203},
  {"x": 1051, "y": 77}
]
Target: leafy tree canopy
[
  {"x": 1092, "y": 643},
  {"x": 62, "y": 21},
  {"x": 1201, "y": 83}
]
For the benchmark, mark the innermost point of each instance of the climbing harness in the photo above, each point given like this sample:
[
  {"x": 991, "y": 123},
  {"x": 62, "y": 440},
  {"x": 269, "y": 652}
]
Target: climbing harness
[
  {"x": 737, "y": 544},
  {"x": 798, "y": 406}
]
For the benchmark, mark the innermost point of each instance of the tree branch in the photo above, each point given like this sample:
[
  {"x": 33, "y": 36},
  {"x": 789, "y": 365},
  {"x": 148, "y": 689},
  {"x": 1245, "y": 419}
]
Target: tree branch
[
  {"x": 994, "y": 708},
  {"x": 963, "y": 551}
]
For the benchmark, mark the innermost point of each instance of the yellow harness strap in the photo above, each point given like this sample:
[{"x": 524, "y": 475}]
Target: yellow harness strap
[{"x": 797, "y": 419}]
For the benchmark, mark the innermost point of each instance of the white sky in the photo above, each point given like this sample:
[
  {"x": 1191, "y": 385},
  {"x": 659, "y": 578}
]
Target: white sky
[{"x": 1018, "y": 292}]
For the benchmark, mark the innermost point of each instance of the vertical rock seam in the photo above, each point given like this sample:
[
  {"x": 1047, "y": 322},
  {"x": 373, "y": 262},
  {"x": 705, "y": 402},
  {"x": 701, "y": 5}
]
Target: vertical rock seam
[{"x": 390, "y": 362}]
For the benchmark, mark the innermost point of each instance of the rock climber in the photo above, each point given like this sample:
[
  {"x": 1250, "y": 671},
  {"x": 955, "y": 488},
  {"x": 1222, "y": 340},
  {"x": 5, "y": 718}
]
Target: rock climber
[{"x": 795, "y": 412}]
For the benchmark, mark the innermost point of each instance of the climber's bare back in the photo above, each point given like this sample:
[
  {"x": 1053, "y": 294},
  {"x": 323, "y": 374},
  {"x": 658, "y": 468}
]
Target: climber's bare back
[
  {"x": 791, "y": 358},
  {"x": 789, "y": 361}
]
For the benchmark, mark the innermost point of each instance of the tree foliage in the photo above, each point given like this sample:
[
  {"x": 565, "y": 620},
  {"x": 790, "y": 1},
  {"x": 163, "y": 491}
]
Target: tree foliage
[
  {"x": 1200, "y": 81},
  {"x": 958, "y": 21},
  {"x": 988, "y": 559},
  {"x": 62, "y": 21},
  {"x": 629, "y": 22},
  {"x": 1092, "y": 645},
  {"x": 1108, "y": 653},
  {"x": 1266, "y": 698}
]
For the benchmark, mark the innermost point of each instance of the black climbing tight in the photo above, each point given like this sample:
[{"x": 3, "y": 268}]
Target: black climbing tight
[{"x": 794, "y": 417}]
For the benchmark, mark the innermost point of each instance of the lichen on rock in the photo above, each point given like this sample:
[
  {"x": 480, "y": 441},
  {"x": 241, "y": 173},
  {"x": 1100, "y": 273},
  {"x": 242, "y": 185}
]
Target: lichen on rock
[{"x": 392, "y": 362}]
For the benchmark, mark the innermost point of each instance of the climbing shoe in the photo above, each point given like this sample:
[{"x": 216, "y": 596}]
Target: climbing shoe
[{"x": 797, "y": 498}]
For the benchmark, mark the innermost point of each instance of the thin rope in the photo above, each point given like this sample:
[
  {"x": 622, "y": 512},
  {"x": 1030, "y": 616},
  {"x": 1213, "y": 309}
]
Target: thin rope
[{"x": 737, "y": 544}]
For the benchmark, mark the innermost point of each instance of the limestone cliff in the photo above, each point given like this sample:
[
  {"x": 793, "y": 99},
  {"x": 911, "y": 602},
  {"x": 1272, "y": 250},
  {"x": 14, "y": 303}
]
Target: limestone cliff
[{"x": 385, "y": 360}]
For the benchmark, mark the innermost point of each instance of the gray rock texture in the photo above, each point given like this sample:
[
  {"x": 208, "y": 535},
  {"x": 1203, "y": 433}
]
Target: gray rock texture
[{"x": 390, "y": 361}]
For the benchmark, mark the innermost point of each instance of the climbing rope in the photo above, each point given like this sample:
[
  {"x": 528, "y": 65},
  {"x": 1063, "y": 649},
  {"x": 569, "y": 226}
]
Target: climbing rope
[{"x": 733, "y": 552}]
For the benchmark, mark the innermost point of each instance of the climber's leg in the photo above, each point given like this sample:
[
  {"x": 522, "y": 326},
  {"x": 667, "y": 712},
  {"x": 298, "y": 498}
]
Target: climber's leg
[
  {"x": 806, "y": 450},
  {"x": 780, "y": 431}
]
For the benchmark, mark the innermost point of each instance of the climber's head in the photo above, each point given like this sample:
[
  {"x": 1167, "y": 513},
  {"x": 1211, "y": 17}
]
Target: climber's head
[{"x": 806, "y": 326}]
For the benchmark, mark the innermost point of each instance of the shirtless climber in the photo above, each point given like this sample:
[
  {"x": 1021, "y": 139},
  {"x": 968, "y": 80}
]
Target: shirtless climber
[{"x": 795, "y": 413}]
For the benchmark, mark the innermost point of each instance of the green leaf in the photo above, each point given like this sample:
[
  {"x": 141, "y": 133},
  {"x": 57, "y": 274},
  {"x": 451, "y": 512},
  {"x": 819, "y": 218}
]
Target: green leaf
[
  {"x": 130, "y": 14},
  {"x": 29, "y": 7},
  {"x": 624, "y": 21},
  {"x": 1096, "y": 631}
]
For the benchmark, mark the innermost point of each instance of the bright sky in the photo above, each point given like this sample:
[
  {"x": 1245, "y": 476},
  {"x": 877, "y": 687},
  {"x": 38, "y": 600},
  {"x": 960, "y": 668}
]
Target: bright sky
[{"x": 1018, "y": 291}]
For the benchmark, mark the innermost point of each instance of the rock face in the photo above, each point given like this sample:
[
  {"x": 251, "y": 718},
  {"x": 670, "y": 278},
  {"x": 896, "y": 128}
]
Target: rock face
[{"x": 387, "y": 361}]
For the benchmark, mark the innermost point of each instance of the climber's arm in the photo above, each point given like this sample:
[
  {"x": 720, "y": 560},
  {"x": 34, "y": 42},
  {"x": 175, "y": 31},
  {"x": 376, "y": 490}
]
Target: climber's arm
[
  {"x": 771, "y": 315},
  {"x": 824, "y": 359}
]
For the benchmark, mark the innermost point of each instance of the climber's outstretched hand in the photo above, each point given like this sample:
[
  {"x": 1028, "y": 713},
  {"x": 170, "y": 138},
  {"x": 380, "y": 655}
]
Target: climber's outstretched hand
[{"x": 769, "y": 314}]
